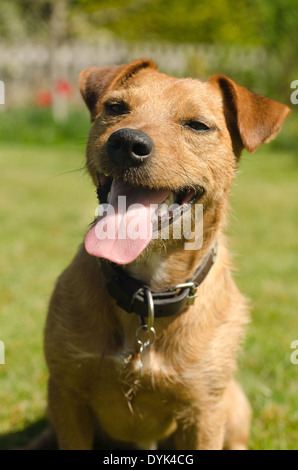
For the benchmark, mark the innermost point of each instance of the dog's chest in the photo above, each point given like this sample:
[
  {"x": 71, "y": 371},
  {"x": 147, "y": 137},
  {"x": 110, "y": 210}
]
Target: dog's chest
[{"x": 135, "y": 406}]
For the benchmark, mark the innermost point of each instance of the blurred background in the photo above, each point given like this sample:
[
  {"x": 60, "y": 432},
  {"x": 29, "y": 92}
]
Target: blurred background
[
  {"x": 45, "y": 44},
  {"x": 47, "y": 200}
]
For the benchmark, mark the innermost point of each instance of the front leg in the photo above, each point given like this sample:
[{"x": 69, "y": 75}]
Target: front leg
[
  {"x": 201, "y": 428},
  {"x": 72, "y": 421}
]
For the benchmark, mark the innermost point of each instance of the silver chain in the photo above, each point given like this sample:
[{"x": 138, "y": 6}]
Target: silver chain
[{"x": 146, "y": 335}]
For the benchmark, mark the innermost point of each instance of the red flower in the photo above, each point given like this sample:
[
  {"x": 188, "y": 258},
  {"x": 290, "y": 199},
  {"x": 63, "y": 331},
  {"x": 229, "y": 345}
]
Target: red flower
[
  {"x": 64, "y": 88},
  {"x": 44, "y": 98}
]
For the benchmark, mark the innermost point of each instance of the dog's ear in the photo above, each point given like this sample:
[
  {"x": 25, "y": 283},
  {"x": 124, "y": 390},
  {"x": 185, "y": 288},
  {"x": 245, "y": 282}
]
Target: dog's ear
[
  {"x": 94, "y": 82},
  {"x": 251, "y": 119}
]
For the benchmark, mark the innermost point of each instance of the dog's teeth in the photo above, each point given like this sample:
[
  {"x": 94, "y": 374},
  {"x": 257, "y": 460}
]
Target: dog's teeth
[
  {"x": 170, "y": 200},
  {"x": 162, "y": 210},
  {"x": 97, "y": 211}
]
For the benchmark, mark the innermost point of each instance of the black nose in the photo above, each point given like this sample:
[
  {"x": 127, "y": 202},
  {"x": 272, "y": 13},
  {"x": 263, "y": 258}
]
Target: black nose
[{"x": 129, "y": 147}]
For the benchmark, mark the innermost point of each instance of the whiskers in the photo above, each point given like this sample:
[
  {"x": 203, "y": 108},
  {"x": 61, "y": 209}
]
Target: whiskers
[{"x": 76, "y": 170}]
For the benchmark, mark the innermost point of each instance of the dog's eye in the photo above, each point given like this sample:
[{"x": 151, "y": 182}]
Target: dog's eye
[
  {"x": 116, "y": 108},
  {"x": 197, "y": 126}
]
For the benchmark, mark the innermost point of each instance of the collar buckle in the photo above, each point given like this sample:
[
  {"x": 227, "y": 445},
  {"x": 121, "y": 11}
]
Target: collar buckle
[{"x": 192, "y": 286}]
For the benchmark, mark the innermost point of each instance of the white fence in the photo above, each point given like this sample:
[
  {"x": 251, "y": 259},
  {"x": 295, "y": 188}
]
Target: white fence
[{"x": 29, "y": 67}]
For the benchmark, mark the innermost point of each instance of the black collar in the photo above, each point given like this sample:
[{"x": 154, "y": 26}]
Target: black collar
[{"x": 130, "y": 294}]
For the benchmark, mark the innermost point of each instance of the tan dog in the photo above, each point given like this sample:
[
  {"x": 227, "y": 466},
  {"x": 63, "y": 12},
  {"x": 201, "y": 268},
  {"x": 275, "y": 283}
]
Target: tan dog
[{"x": 156, "y": 138}]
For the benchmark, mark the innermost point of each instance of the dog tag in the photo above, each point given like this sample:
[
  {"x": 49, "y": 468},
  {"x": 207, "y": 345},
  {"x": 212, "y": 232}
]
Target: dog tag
[
  {"x": 145, "y": 337},
  {"x": 146, "y": 334},
  {"x": 144, "y": 358}
]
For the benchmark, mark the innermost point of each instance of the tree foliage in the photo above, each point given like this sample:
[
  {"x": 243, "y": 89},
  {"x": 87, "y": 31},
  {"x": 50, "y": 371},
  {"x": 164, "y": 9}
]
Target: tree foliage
[
  {"x": 270, "y": 24},
  {"x": 254, "y": 22}
]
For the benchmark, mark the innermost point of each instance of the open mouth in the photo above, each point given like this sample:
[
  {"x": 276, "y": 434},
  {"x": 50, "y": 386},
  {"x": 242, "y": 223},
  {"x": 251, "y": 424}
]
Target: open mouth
[
  {"x": 132, "y": 215},
  {"x": 172, "y": 207}
]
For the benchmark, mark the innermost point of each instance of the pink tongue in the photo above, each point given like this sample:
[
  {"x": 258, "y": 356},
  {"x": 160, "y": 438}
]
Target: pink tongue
[{"x": 125, "y": 229}]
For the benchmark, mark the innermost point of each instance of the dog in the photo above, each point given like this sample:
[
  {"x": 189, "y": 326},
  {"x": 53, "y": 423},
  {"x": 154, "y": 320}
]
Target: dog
[{"x": 142, "y": 334}]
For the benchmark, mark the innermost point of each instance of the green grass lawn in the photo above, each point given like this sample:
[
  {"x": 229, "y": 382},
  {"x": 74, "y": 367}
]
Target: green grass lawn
[{"x": 46, "y": 205}]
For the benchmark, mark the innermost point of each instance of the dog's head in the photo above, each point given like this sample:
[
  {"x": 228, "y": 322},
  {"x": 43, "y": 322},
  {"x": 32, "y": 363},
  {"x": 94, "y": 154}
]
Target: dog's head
[{"x": 158, "y": 141}]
